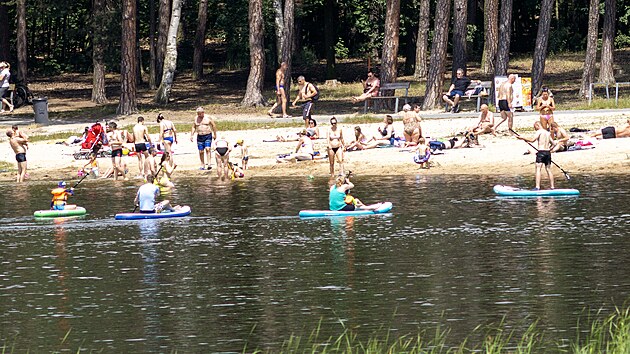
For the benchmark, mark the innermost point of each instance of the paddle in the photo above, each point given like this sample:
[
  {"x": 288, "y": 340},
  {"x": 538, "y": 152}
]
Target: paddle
[
  {"x": 566, "y": 174},
  {"x": 81, "y": 180}
]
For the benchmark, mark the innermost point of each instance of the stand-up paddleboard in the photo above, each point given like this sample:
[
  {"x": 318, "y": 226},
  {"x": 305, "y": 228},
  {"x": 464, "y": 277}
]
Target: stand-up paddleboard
[
  {"x": 517, "y": 192},
  {"x": 183, "y": 211},
  {"x": 49, "y": 213},
  {"x": 384, "y": 208}
]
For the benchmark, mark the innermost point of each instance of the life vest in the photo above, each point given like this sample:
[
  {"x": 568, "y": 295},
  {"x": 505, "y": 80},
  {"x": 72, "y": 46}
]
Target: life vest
[
  {"x": 349, "y": 199},
  {"x": 60, "y": 196}
]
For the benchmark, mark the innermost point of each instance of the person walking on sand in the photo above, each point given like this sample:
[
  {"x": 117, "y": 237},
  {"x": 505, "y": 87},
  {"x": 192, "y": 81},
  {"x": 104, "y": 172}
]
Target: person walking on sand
[
  {"x": 506, "y": 95},
  {"x": 336, "y": 146},
  {"x": 309, "y": 93},
  {"x": 205, "y": 128},
  {"x": 116, "y": 140},
  {"x": 281, "y": 97},
  {"x": 5, "y": 74},
  {"x": 244, "y": 152},
  {"x": 141, "y": 138},
  {"x": 19, "y": 146},
  {"x": 168, "y": 135},
  {"x": 543, "y": 156}
]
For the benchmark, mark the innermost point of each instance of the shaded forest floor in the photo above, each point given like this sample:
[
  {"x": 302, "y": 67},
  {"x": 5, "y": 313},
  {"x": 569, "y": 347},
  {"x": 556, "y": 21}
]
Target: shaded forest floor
[{"x": 221, "y": 90}]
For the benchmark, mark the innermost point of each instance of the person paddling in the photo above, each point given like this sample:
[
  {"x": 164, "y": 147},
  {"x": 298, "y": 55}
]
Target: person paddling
[
  {"x": 543, "y": 153},
  {"x": 145, "y": 198},
  {"x": 340, "y": 200},
  {"x": 60, "y": 197}
]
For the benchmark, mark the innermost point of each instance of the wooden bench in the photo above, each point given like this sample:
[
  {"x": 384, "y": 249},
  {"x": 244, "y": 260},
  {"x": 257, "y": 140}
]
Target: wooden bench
[
  {"x": 487, "y": 88},
  {"x": 390, "y": 87}
]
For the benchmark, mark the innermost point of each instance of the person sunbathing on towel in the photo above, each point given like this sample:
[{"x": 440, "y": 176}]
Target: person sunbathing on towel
[{"x": 612, "y": 132}]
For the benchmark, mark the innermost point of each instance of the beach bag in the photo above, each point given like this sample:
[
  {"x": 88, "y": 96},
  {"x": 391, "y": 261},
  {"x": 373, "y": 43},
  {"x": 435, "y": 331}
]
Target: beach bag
[{"x": 316, "y": 97}]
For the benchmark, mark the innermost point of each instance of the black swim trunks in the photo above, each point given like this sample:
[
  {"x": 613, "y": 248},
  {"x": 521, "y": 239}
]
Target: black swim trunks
[
  {"x": 117, "y": 152},
  {"x": 141, "y": 147},
  {"x": 609, "y": 133},
  {"x": 504, "y": 106},
  {"x": 544, "y": 157},
  {"x": 21, "y": 157}
]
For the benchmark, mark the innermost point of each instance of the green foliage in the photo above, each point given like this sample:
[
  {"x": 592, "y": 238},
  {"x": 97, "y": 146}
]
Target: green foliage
[
  {"x": 622, "y": 41},
  {"x": 305, "y": 57},
  {"x": 341, "y": 51}
]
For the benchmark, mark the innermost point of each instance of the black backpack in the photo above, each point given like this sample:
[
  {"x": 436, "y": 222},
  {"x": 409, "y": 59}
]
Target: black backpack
[{"x": 316, "y": 97}]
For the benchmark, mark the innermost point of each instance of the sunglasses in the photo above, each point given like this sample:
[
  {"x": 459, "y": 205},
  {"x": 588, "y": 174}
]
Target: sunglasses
[{"x": 333, "y": 123}]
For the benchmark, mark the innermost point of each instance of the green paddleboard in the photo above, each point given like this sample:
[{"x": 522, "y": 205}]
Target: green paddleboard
[{"x": 59, "y": 213}]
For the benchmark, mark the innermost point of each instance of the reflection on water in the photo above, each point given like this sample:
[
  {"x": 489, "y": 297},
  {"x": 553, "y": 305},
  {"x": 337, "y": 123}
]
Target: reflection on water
[{"x": 245, "y": 270}]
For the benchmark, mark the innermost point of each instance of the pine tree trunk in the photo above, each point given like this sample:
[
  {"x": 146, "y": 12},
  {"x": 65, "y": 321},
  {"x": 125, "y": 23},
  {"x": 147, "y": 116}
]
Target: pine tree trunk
[
  {"x": 505, "y": 33},
  {"x": 170, "y": 59},
  {"x": 460, "y": 19},
  {"x": 200, "y": 40},
  {"x": 389, "y": 61},
  {"x": 330, "y": 38},
  {"x": 4, "y": 31},
  {"x": 279, "y": 28},
  {"x": 287, "y": 43},
  {"x": 606, "y": 73},
  {"x": 98, "y": 79},
  {"x": 152, "y": 46},
  {"x": 22, "y": 53},
  {"x": 542, "y": 40},
  {"x": 422, "y": 41},
  {"x": 164, "y": 16},
  {"x": 253, "y": 94},
  {"x": 435, "y": 78},
  {"x": 591, "y": 48},
  {"x": 128, "y": 102},
  {"x": 491, "y": 35}
]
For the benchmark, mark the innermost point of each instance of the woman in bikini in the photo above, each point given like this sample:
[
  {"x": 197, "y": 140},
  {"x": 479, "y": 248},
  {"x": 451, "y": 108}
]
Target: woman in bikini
[
  {"x": 411, "y": 126},
  {"x": 546, "y": 105},
  {"x": 168, "y": 135},
  {"x": 361, "y": 142},
  {"x": 222, "y": 155},
  {"x": 336, "y": 146},
  {"x": 386, "y": 131}
]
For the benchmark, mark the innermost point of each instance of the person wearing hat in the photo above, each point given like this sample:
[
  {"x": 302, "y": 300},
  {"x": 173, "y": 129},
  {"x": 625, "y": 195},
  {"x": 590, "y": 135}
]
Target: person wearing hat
[
  {"x": 5, "y": 74},
  {"x": 244, "y": 152},
  {"x": 303, "y": 152},
  {"x": 60, "y": 197}
]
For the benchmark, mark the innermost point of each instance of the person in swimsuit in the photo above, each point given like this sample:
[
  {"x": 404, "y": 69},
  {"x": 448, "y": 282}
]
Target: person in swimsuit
[
  {"x": 303, "y": 152},
  {"x": 386, "y": 131},
  {"x": 306, "y": 92},
  {"x": 546, "y": 106},
  {"x": 486, "y": 122},
  {"x": 19, "y": 146},
  {"x": 335, "y": 146},
  {"x": 222, "y": 151},
  {"x": 411, "y": 126},
  {"x": 505, "y": 96},
  {"x": 116, "y": 140},
  {"x": 561, "y": 137},
  {"x": 612, "y": 132},
  {"x": 370, "y": 87},
  {"x": 244, "y": 152},
  {"x": 141, "y": 138},
  {"x": 423, "y": 154},
  {"x": 543, "y": 156},
  {"x": 340, "y": 200},
  {"x": 361, "y": 142},
  {"x": 205, "y": 128},
  {"x": 312, "y": 131},
  {"x": 281, "y": 97},
  {"x": 168, "y": 135}
]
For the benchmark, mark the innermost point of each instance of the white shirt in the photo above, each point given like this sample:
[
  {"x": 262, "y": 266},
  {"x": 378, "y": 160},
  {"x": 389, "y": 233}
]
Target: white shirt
[
  {"x": 6, "y": 74},
  {"x": 146, "y": 196}
]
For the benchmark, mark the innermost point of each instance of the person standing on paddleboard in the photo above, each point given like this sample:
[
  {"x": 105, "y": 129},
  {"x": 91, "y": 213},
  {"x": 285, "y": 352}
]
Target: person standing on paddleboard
[{"x": 543, "y": 155}]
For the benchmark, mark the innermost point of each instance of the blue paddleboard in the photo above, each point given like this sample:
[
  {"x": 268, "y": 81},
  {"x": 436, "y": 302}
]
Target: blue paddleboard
[
  {"x": 508, "y": 191},
  {"x": 384, "y": 208},
  {"x": 183, "y": 211}
]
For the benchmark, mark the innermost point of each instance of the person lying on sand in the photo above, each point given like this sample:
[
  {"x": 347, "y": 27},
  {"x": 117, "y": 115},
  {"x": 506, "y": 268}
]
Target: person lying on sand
[
  {"x": 362, "y": 142},
  {"x": 612, "y": 132},
  {"x": 303, "y": 152}
]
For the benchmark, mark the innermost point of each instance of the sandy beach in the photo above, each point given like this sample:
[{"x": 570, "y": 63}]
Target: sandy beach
[{"x": 503, "y": 154}]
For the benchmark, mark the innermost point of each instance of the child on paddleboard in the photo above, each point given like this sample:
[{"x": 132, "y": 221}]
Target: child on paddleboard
[{"x": 60, "y": 197}]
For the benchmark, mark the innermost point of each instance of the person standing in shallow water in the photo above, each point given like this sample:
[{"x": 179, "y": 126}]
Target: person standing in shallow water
[
  {"x": 543, "y": 155},
  {"x": 19, "y": 146}
]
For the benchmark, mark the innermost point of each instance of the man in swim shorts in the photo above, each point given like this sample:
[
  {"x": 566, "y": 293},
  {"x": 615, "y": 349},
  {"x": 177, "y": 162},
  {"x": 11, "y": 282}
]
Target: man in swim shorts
[
  {"x": 505, "y": 96},
  {"x": 281, "y": 97},
  {"x": 456, "y": 90},
  {"x": 309, "y": 93},
  {"x": 205, "y": 128},
  {"x": 141, "y": 138},
  {"x": 543, "y": 155},
  {"x": 612, "y": 132},
  {"x": 19, "y": 146},
  {"x": 116, "y": 140}
]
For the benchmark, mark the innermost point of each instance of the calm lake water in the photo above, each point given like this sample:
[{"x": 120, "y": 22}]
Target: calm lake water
[{"x": 244, "y": 271}]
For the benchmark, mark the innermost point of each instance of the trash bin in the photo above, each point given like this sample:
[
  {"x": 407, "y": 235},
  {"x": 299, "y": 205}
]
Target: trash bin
[{"x": 40, "y": 106}]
